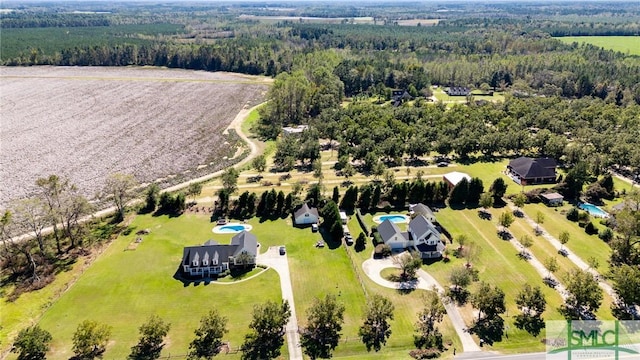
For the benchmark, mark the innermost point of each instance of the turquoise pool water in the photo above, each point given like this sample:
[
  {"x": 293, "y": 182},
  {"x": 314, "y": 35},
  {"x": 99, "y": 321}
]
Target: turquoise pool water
[
  {"x": 232, "y": 228},
  {"x": 593, "y": 210},
  {"x": 394, "y": 218}
]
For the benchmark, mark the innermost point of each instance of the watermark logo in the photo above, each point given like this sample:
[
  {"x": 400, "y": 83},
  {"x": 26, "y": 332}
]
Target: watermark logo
[{"x": 592, "y": 339}]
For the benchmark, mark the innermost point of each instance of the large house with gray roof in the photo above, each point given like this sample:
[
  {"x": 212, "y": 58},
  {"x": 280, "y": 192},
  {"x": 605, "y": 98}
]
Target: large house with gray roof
[
  {"x": 212, "y": 258},
  {"x": 531, "y": 171},
  {"x": 421, "y": 236}
]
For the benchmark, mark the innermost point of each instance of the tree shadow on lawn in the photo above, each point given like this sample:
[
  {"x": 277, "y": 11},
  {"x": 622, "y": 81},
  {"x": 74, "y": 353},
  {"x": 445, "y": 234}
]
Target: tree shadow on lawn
[
  {"x": 328, "y": 239},
  {"x": 489, "y": 330}
]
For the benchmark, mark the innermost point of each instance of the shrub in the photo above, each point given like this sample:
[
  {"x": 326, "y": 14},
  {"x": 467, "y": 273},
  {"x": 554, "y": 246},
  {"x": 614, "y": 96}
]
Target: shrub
[
  {"x": 573, "y": 214},
  {"x": 583, "y": 216},
  {"x": 606, "y": 235},
  {"x": 590, "y": 229},
  {"x": 382, "y": 250},
  {"x": 425, "y": 354}
]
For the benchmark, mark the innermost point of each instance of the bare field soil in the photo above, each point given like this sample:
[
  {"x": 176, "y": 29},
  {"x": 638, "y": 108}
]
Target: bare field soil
[{"x": 88, "y": 122}]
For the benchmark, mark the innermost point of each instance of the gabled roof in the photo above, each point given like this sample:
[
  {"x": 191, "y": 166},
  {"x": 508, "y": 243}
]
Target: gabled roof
[
  {"x": 420, "y": 225},
  {"x": 388, "y": 230},
  {"x": 528, "y": 168},
  {"x": 306, "y": 209},
  {"x": 422, "y": 209},
  {"x": 245, "y": 240},
  {"x": 455, "y": 177}
]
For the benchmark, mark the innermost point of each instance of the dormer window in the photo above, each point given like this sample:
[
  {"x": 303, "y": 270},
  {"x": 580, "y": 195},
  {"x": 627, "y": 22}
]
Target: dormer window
[{"x": 195, "y": 262}]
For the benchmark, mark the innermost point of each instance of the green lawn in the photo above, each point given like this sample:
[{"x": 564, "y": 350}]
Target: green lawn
[
  {"x": 583, "y": 245},
  {"x": 624, "y": 44},
  {"x": 123, "y": 288}
]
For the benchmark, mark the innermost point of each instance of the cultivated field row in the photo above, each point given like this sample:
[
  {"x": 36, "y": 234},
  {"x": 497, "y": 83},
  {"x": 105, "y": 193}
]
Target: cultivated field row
[{"x": 86, "y": 123}]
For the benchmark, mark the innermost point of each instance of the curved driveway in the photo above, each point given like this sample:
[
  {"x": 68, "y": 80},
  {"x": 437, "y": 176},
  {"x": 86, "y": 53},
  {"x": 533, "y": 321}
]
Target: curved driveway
[
  {"x": 373, "y": 267},
  {"x": 280, "y": 264}
]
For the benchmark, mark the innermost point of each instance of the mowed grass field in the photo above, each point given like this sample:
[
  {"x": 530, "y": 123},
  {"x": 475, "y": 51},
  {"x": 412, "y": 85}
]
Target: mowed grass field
[
  {"x": 625, "y": 44},
  {"x": 122, "y": 288}
]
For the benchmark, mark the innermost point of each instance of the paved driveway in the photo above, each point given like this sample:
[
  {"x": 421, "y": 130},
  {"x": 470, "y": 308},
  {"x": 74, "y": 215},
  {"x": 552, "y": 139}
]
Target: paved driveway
[
  {"x": 373, "y": 267},
  {"x": 280, "y": 264}
]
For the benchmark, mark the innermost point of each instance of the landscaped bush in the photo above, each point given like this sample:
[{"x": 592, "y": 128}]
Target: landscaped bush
[
  {"x": 382, "y": 251},
  {"x": 573, "y": 214},
  {"x": 606, "y": 235},
  {"x": 590, "y": 229},
  {"x": 583, "y": 216},
  {"x": 425, "y": 354},
  {"x": 377, "y": 239}
]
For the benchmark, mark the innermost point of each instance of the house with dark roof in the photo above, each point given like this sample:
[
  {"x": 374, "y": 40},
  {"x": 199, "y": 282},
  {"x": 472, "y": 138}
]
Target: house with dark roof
[
  {"x": 421, "y": 236},
  {"x": 306, "y": 215},
  {"x": 458, "y": 91},
  {"x": 213, "y": 258},
  {"x": 400, "y": 96},
  {"x": 532, "y": 171}
]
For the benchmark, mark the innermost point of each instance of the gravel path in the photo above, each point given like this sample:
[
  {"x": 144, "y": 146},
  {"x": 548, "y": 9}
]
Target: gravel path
[
  {"x": 373, "y": 267},
  {"x": 280, "y": 264}
]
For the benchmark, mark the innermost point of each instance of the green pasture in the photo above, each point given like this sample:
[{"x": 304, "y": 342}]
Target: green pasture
[{"x": 629, "y": 45}]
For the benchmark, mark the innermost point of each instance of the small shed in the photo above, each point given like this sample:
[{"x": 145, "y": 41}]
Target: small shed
[
  {"x": 453, "y": 178},
  {"x": 552, "y": 199}
]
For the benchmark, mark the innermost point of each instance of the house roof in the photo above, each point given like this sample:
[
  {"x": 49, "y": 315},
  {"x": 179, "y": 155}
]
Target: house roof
[
  {"x": 388, "y": 229},
  {"x": 455, "y": 177},
  {"x": 528, "y": 168},
  {"x": 304, "y": 209},
  {"x": 245, "y": 240},
  {"x": 422, "y": 209},
  {"x": 552, "y": 196},
  {"x": 420, "y": 225},
  {"x": 218, "y": 253}
]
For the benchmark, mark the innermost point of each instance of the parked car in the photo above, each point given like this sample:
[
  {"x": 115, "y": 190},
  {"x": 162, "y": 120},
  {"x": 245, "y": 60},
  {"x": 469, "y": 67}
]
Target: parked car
[
  {"x": 314, "y": 227},
  {"x": 443, "y": 164},
  {"x": 282, "y": 250}
]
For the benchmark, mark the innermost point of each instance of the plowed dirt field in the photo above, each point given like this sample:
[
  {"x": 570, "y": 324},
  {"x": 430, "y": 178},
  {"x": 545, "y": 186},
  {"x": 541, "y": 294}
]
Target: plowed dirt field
[{"x": 88, "y": 122}]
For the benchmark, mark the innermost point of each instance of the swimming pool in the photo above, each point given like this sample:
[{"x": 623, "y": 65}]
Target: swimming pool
[
  {"x": 231, "y": 228},
  {"x": 393, "y": 218},
  {"x": 593, "y": 210}
]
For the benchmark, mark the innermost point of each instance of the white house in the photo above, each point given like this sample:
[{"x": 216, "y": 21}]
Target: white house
[
  {"x": 422, "y": 236},
  {"x": 212, "y": 258},
  {"x": 422, "y": 209},
  {"x": 306, "y": 215}
]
